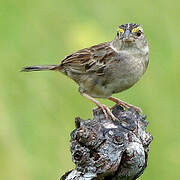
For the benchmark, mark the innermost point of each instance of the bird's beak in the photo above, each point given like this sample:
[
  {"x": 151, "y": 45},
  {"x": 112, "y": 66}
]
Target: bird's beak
[
  {"x": 126, "y": 34},
  {"x": 127, "y": 37}
]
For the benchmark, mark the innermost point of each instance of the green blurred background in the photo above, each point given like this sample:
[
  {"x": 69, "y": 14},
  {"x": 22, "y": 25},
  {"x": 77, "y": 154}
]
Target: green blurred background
[{"x": 37, "y": 110}]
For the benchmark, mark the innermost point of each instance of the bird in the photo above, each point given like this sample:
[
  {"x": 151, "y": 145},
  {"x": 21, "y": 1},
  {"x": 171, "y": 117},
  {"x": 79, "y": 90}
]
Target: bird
[{"x": 106, "y": 68}]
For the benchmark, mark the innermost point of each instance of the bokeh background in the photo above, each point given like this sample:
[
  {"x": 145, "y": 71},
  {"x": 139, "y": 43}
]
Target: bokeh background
[{"x": 37, "y": 110}]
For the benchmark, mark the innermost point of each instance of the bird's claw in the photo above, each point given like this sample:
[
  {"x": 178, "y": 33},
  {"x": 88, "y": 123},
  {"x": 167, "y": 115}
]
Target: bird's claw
[{"x": 107, "y": 112}]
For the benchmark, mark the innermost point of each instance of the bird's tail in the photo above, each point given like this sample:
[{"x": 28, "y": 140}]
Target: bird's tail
[{"x": 39, "y": 68}]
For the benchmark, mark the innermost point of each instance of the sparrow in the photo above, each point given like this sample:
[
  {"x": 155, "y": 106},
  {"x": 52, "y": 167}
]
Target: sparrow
[{"x": 107, "y": 68}]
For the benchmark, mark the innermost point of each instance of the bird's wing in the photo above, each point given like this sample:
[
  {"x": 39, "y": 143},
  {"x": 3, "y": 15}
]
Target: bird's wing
[{"x": 92, "y": 59}]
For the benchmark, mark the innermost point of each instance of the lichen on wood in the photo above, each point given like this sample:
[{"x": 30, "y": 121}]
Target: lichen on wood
[{"x": 110, "y": 150}]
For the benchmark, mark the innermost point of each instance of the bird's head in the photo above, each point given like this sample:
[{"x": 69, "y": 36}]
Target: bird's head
[{"x": 131, "y": 35}]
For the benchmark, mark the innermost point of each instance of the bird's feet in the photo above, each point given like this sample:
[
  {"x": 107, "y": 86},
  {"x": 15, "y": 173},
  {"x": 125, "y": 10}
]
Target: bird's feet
[
  {"x": 104, "y": 108},
  {"x": 107, "y": 112},
  {"x": 124, "y": 104}
]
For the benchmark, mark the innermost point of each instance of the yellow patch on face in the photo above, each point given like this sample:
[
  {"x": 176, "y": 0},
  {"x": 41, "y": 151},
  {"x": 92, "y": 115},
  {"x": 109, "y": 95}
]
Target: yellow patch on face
[
  {"x": 121, "y": 30},
  {"x": 135, "y": 30}
]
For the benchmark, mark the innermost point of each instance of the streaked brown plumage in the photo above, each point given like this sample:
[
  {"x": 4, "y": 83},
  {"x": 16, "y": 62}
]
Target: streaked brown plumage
[{"x": 106, "y": 68}]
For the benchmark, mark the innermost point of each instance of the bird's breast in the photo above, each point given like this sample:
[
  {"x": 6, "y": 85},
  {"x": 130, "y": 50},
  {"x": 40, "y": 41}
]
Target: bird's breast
[
  {"x": 126, "y": 72},
  {"x": 119, "y": 75}
]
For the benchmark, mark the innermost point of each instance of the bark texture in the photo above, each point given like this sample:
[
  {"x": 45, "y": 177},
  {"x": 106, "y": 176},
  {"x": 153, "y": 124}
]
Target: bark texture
[{"x": 103, "y": 149}]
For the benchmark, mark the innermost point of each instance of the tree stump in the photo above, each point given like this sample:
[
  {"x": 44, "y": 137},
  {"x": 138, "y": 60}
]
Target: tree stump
[{"x": 103, "y": 149}]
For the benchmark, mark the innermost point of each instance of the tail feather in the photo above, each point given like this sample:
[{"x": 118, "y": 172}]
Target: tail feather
[{"x": 38, "y": 68}]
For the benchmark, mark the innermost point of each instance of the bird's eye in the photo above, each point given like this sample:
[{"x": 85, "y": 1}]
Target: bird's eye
[{"x": 139, "y": 33}]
